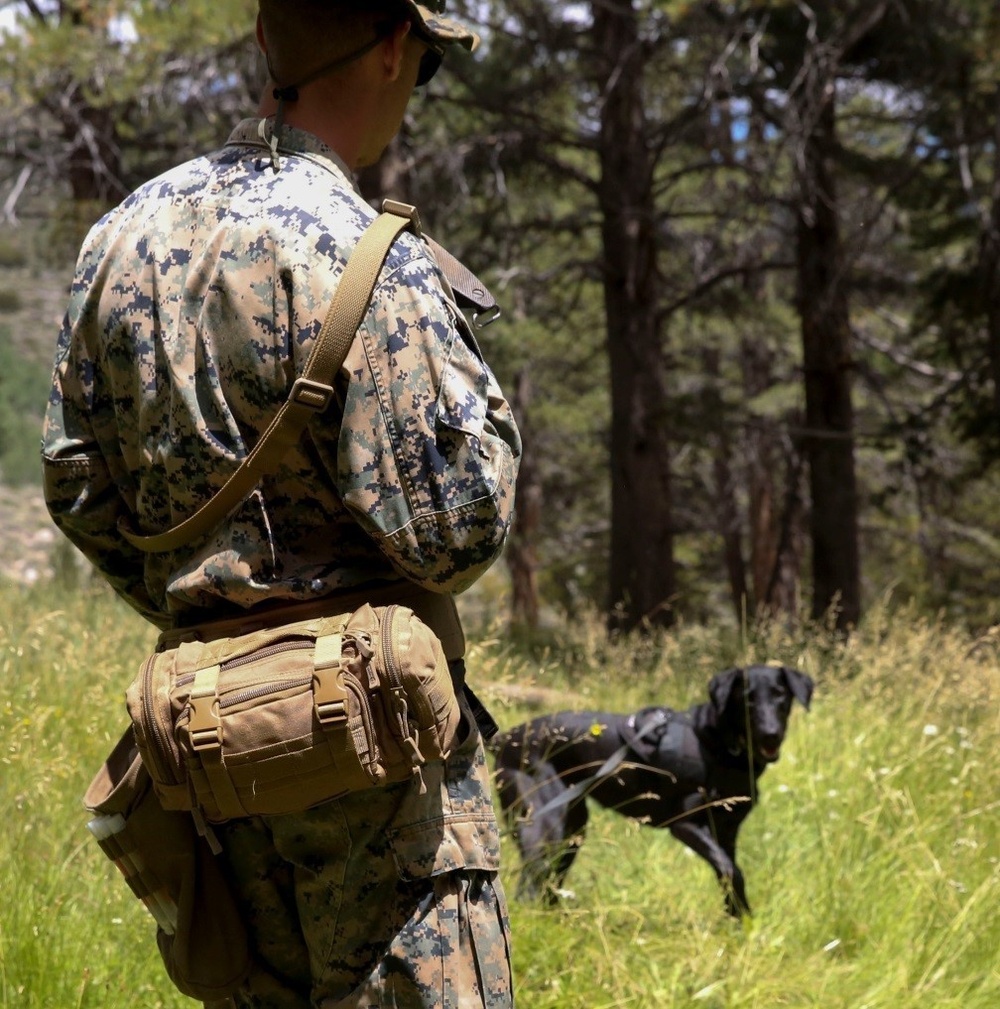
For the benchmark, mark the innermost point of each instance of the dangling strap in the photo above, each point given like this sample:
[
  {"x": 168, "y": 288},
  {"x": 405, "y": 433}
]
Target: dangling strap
[
  {"x": 290, "y": 92},
  {"x": 312, "y": 391}
]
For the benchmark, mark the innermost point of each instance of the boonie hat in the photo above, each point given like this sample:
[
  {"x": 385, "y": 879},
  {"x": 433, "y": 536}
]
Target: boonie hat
[{"x": 429, "y": 20}]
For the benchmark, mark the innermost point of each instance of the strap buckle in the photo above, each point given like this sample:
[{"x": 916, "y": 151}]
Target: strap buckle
[
  {"x": 404, "y": 210},
  {"x": 482, "y": 319},
  {"x": 310, "y": 394},
  {"x": 329, "y": 697}
]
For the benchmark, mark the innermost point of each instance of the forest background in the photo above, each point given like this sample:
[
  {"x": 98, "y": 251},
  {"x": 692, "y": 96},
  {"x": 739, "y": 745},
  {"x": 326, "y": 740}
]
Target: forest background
[{"x": 748, "y": 256}]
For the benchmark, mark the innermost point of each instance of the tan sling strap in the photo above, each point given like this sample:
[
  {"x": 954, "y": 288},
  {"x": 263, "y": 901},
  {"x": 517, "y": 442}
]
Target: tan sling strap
[{"x": 311, "y": 391}]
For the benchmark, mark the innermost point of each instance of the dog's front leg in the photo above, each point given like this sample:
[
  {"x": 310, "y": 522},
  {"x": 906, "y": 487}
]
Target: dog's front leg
[{"x": 698, "y": 837}]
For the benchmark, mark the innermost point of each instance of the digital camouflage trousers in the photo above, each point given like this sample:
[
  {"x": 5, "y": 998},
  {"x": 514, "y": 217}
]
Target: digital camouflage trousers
[{"x": 388, "y": 897}]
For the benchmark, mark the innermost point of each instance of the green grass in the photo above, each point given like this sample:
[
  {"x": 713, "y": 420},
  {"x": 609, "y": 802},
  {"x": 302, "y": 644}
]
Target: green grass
[
  {"x": 24, "y": 389},
  {"x": 873, "y": 860}
]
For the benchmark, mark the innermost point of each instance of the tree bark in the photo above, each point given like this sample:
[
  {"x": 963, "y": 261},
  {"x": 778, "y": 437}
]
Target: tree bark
[
  {"x": 727, "y": 507},
  {"x": 825, "y": 326},
  {"x": 641, "y": 578},
  {"x": 990, "y": 272}
]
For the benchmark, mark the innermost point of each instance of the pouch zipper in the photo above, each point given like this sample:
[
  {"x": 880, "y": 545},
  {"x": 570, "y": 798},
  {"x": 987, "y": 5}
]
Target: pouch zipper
[
  {"x": 267, "y": 652},
  {"x": 262, "y": 689},
  {"x": 397, "y": 689},
  {"x": 243, "y": 660},
  {"x": 163, "y": 743},
  {"x": 367, "y": 722},
  {"x": 389, "y": 647}
]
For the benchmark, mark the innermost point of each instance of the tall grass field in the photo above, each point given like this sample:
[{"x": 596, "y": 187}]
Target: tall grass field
[{"x": 872, "y": 861}]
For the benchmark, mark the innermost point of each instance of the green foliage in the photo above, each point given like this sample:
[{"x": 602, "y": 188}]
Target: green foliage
[
  {"x": 65, "y": 228},
  {"x": 10, "y": 301},
  {"x": 24, "y": 389},
  {"x": 144, "y": 83},
  {"x": 12, "y": 254},
  {"x": 873, "y": 861}
]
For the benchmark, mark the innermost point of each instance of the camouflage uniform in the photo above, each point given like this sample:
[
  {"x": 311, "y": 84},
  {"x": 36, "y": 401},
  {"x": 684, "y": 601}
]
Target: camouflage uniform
[{"x": 195, "y": 303}]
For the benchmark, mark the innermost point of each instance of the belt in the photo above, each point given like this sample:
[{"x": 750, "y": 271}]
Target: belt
[{"x": 436, "y": 610}]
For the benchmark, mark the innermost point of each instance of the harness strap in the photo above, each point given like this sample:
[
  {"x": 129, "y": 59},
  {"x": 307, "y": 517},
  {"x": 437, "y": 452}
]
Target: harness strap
[{"x": 581, "y": 788}]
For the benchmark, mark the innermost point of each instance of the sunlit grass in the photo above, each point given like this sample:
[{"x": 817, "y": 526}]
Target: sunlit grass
[{"x": 872, "y": 861}]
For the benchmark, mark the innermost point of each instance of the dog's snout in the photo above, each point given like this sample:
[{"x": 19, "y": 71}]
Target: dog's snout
[{"x": 768, "y": 742}]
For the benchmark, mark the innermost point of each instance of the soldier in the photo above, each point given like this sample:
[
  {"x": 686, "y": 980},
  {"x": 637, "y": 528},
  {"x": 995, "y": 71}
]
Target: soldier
[{"x": 194, "y": 305}]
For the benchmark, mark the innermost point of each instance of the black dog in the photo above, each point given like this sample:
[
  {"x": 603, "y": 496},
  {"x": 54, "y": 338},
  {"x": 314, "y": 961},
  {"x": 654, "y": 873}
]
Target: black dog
[{"x": 665, "y": 768}]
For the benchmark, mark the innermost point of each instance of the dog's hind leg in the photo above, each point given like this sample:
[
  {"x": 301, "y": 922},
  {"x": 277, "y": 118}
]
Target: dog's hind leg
[{"x": 548, "y": 834}]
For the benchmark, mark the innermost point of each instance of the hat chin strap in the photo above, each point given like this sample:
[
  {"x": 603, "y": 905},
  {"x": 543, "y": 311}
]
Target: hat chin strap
[{"x": 290, "y": 92}]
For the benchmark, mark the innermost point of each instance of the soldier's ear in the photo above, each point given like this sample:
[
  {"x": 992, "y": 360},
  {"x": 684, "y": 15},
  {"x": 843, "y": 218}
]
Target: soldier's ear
[{"x": 261, "y": 41}]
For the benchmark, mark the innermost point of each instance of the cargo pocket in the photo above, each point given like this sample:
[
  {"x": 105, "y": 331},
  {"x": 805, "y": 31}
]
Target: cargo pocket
[
  {"x": 461, "y": 404},
  {"x": 456, "y": 951},
  {"x": 445, "y": 845}
]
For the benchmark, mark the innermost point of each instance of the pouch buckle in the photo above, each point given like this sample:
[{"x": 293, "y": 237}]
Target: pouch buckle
[
  {"x": 205, "y": 726},
  {"x": 329, "y": 693}
]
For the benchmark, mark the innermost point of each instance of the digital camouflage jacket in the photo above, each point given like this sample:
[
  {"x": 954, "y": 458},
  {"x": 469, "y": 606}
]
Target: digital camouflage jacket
[{"x": 194, "y": 305}]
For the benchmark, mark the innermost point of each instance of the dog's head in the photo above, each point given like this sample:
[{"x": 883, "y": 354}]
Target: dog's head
[{"x": 752, "y": 705}]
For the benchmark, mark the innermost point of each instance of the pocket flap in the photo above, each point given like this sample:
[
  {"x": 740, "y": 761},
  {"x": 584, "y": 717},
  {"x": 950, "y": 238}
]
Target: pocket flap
[{"x": 437, "y": 846}]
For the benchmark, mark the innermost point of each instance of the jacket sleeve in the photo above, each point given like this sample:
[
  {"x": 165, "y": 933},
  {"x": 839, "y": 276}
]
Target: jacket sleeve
[
  {"x": 80, "y": 487},
  {"x": 429, "y": 449}
]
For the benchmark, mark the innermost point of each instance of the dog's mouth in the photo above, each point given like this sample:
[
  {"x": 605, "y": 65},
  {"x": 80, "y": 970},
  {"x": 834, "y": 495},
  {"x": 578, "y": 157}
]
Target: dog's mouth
[{"x": 763, "y": 753}]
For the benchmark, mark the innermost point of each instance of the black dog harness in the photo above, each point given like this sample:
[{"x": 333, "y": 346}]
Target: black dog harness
[{"x": 647, "y": 724}]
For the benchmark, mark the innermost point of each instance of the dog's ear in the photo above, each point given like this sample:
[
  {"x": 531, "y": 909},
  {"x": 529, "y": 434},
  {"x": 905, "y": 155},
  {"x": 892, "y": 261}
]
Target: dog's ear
[
  {"x": 721, "y": 686},
  {"x": 800, "y": 685}
]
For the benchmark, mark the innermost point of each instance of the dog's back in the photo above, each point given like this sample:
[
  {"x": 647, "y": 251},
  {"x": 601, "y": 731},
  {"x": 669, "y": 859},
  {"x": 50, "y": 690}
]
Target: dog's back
[{"x": 566, "y": 742}]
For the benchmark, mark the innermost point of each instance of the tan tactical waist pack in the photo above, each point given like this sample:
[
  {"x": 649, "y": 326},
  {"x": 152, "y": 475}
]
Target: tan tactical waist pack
[{"x": 282, "y": 719}]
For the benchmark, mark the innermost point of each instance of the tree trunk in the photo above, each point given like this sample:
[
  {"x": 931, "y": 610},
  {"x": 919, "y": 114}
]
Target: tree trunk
[
  {"x": 990, "y": 272},
  {"x": 641, "y": 578},
  {"x": 775, "y": 515},
  {"x": 94, "y": 170},
  {"x": 727, "y": 506},
  {"x": 522, "y": 548},
  {"x": 829, "y": 437}
]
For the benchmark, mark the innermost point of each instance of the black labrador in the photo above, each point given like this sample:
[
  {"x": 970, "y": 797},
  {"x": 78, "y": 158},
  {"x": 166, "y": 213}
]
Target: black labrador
[{"x": 694, "y": 772}]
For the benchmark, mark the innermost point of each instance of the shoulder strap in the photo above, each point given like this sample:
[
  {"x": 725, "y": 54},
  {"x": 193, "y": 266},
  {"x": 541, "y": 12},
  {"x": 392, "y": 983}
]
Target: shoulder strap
[{"x": 312, "y": 390}]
